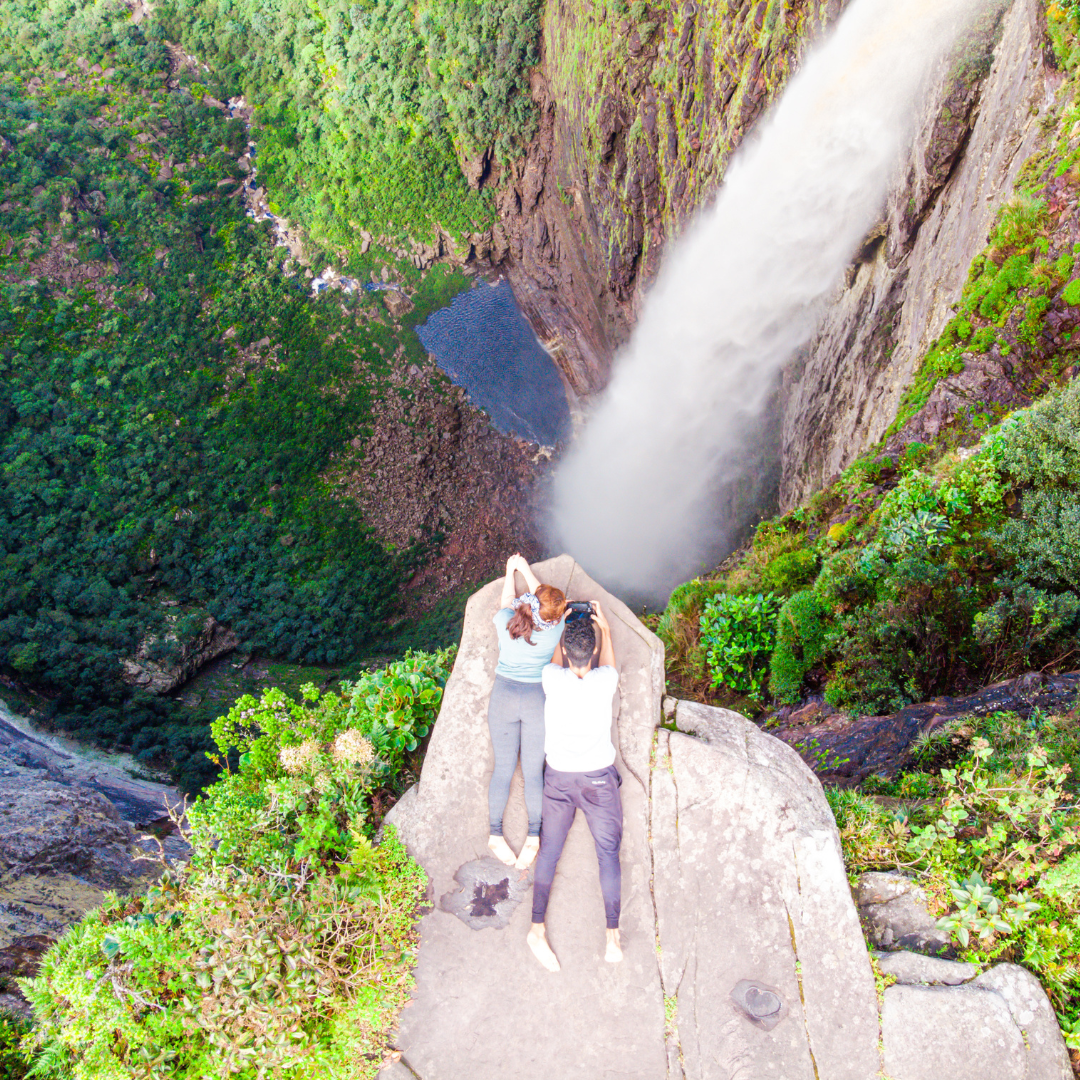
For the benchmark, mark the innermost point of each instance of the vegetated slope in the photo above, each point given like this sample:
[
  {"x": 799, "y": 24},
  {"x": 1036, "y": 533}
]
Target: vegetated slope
[
  {"x": 169, "y": 399},
  {"x": 285, "y": 946},
  {"x": 365, "y": 111}
]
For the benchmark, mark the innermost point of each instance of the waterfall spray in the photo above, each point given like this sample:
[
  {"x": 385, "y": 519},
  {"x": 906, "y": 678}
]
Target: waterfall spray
[{"x": 635, "y": 497}]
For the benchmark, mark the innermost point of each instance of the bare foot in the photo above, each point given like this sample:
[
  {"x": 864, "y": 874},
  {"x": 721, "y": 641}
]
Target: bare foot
[
  {"x": 613, "y": 953},
  {"x": 528, "y": 852},
  {"x": 501, "y": 850},
  {"x": 541, "y": 949}
]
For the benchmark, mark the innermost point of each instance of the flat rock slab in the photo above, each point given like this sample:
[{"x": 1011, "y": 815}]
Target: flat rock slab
[
  {"x": 483, "y": 1006},
  {"x": 750, "y": 885},
  {"x": 744, "y": 955}
]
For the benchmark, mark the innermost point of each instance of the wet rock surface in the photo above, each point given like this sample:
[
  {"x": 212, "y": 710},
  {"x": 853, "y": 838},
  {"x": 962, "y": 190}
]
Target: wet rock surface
[
  {"x": 488, "y": 894},
  {"x": 844, "y": 751},
  {"x": 71, "y": 830}
]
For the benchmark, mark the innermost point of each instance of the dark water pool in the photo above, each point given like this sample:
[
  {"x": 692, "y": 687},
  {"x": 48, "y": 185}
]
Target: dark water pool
[{"x": 484, "y": 344}]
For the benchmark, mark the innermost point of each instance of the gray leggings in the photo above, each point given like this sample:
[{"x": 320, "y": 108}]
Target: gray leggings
[{"x": 516, "y": 722}]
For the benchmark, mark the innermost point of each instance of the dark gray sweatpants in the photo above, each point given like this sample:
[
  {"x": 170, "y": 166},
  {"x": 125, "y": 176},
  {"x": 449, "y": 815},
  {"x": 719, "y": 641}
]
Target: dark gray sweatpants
[
  {"x": 596, "y": 795},
  {"x": 516, "y": 723}
]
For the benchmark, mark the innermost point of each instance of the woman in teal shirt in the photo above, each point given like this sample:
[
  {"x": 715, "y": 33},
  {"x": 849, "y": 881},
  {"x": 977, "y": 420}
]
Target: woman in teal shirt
[{"x": 529, "y": 627}]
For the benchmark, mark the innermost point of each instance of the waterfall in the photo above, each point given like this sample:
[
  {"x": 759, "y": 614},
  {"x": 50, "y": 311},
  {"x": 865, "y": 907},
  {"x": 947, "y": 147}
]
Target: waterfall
[{"x": 635, "y": 500}]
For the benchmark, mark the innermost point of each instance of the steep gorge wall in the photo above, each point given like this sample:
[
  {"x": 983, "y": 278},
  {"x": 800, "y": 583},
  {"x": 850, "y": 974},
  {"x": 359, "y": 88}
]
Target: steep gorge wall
[
  {"x": 642, "y": 106},
  {"x": 979, "y": 126}
]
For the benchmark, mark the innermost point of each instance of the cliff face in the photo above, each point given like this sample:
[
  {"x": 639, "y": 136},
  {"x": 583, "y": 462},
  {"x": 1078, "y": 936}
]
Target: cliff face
[
  {"x": 641, "y": 113},
  {"x": 642, "y": 106},
  {"x": 979, "y": 126}
]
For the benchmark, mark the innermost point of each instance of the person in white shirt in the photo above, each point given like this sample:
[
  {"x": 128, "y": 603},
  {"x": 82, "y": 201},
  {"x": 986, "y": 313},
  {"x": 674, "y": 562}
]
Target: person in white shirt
[{"x": 580, "y": 772}]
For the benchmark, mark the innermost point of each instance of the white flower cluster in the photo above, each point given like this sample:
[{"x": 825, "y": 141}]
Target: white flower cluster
[
  {"x": 352, "y": 748},
  {"x": 295, "y": 759}
]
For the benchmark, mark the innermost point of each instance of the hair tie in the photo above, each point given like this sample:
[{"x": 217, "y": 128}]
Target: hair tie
[{"x": 533, "y": 603}]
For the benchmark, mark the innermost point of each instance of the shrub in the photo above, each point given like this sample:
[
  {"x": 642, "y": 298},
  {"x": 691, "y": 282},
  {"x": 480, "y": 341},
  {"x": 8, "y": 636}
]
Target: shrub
[
  {"x": 1025, "y": 626},
  {"x": 738, "y": 633},
  {"x": 284, "y": 946},
  {"x": 790, "y": 571},
  {"x": 800, "y": 643},
  {"x": 230, "y": 973},
  {"x": 907, "y": 643},
  {"x": 995, "y": 840},
  {"x": 679, "y": 627},
  {"x": 14, "y": 1062}
]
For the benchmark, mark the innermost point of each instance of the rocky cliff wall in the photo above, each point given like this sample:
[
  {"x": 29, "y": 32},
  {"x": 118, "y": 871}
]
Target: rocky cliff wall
[
  {"x": 979, "y": 126},
  {"x": 642, "y": 106}
]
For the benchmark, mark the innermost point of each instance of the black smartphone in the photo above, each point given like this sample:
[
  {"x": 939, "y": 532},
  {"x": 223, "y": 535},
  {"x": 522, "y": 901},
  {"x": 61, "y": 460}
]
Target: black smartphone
[{"x": 578, "y": 609}]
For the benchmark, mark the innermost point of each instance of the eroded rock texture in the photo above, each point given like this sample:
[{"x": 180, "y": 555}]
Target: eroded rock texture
[
  {"x": 638, "y": 120},
  {"x": 69, "y": 833}
]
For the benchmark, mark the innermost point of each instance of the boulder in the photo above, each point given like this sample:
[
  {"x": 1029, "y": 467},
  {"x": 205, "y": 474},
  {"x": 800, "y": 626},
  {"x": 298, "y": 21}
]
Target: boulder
[
  {"x": 397, "y": 303},
  {"x": 894, "y": 913},
  {"x": 997, "y": 1026},
  {"x": 749, "y": 884},
  {"x": 211, "y": 641},
  {"x": 950, "y": 1033},
  {"x": 913, "y": 968}
]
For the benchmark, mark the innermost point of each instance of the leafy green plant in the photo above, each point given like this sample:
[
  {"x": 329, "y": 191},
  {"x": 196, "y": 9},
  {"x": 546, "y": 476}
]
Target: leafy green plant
[
  {"x": 994, "y": 841},
  {"x": 982, "y": 913},
  {"x": 396, "y": 706},
  {"x": 800, "y": 644},
  {"x": 284, "y": 946},
  {"x": 738, "y": 634},
  {"x": 15, "y": 1063}
]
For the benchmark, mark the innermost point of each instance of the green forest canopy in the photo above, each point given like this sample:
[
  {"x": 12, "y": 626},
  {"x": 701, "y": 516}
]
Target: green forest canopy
[
  {"x": 168, "y": 398},
  {"x": 365, "y": 109}
]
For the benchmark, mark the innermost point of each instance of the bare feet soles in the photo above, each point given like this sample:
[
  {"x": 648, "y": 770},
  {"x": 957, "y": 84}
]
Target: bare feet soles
[
  {"x": 541, "y": 950},
  {"x": 528, "y": 853},
  {"x": 613, "y": 954},
  {"x": 501, "y": 850}
]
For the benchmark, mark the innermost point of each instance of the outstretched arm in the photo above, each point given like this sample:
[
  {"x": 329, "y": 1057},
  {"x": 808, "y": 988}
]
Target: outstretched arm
[
  {"x": 521, "y": 564},
  {"x": 607, "y": 649},
  {"x": 508, "y": 589}
]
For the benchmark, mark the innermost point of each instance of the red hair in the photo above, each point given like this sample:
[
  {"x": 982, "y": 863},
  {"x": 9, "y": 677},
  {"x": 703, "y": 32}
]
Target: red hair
[{"x": 552, "y": 607}]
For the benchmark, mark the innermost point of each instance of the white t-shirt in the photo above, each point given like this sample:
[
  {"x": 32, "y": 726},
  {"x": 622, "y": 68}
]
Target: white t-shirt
[{"x": 577, "y": 718}]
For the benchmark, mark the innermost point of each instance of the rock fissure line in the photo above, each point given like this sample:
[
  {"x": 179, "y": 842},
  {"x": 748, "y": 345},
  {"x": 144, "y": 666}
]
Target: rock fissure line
[{"x": 799, "y": 978}]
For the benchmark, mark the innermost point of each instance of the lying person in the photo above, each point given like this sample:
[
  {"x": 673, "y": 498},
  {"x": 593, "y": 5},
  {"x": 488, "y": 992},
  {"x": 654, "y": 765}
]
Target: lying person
[
  {"x": 529, "y": 627},
  {"x": 580, "y": 773}
]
